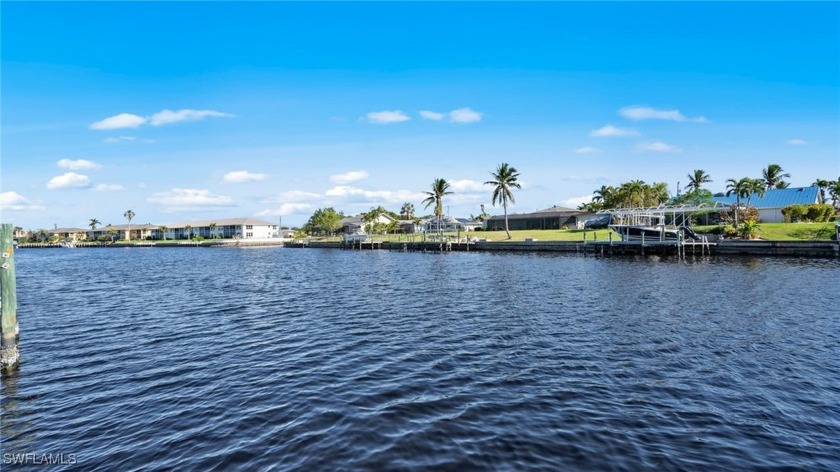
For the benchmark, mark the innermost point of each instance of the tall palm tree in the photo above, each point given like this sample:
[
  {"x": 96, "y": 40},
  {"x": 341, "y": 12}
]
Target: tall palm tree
[
  {"x": 163, "y": 231},
  {"x": 129, "y": 215},
  {"x": 94, "y": 223},
  {"x": 440, "y": 188},
  {"x": 756, "y": 187},
  {"x": 741, "y": 188},
  {"x": 188, "y": 230},
  {"x": 823, "y": 185},
  {"x": 504, "y": 179},
  {"x": 213, "y": 230},
  {"x": 604, "y": 194},
  {"x": 773, "y": 176},
  {"x": 633, "y": 189},
  {"x": 834, "y": 191},
  {"x": 407, "y": 211},
  {"x": 697, "y": 179}
]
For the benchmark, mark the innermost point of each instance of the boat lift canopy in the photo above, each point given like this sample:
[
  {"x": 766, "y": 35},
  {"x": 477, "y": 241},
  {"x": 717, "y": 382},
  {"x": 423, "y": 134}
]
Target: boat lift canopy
[{"x": 634, "y": 215}]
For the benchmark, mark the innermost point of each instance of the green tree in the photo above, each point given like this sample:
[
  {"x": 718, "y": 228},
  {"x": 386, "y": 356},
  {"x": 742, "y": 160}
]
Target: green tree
[
  {"x": 129, "y": 215},
  {"x": 505, "y": 178},
  {"x": 188, "y": 230},
  {"x": 694, "y": 197},
  {"x": 742, "y": 189},
  {"x": 94, "y": 223},
  {"x": 834, "y": 191},
  {"x": 756, "y": 187},
  {"x": 213, "y": 230},
  {"x": 697, "y": 179},
  {"x": 407, "y": 211},
  {"x": 324, "y": 220},
  {"x": 773, "y": 176},
  {"x": 112, "y": 233},
  {"x": 823, "y": 185},
  {"x": 371, "y": 219},
  {"x": 440, "y": 188},
  {"x": 163, "y": 230}
]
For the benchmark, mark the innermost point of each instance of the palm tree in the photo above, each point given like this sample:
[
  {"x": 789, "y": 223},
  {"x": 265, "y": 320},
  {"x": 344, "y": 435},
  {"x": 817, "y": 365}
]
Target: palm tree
[
  {"x": 697, "y": 179},
  {"x": 631, "y": 190},
  {"x": 756, "y": 187},
  {"x": 823, "y": 185},
  {"x": 94, "y": 223},
  {"x": 440, "y": 187},
  {"x": 407, "y": 211},
  {"x": 773, "y": 176},
  {"x": 163, "y": 232},
  {"x": 129, "y": 215},
  {"x": 504, "y": 179},
  {"x": 834, "y": 191},
  {"x": 213, "y": 230},
  {"x": 741, "y": 188},
  {"x": 188, "y": 230}
]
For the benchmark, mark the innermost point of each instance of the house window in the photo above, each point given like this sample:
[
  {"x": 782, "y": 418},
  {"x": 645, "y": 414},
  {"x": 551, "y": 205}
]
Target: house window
[
  {"x": 249, "y": 235},
  {"x": 249, "y": 226}
]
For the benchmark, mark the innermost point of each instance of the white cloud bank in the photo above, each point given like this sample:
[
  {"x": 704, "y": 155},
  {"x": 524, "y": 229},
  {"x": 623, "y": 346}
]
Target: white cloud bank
[
  {"x": 657, "y": 146},
  {"x": 386, "y": 117},
  {"x": 77, "y": 164},
  {"x": 373, "y": 196},
  {"x": 466, "y": 186},
  {"x": 240, "y": 176},
  {"x": 432, "y": 115},
  {"x": 575, "y": 202},
  {"x": 119, "y": 139},
  {"x": 352, "y": 176},
  {"x": 13, "y": 201},
  {"x": 163, "y": 117},
  {"x": 68, "y": 180},
  {"x": 587, "y": 150},
  {"x": 610, "y": 131},
  {"x": 641, "y": 113},
  {"x": 287, "y": 209},
  {"x": 189, "y": 198},
  {"x": 797, "y": 142}
]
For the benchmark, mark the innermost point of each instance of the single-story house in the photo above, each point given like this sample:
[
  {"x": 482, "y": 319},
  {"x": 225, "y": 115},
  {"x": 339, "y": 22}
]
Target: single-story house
[
  {"x": 555, "y": 217},
  {"x": 351, "y": 224},
  {"x": 771, "y": 203},
  {"x": 68, "y": 234},
  {"x": 448, "y": 224},
  {"x": 139, "y": 232}
]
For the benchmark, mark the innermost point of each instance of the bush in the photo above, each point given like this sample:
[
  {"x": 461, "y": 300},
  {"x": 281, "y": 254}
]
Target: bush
[
  {"x": 564, "y": 228},
  {"x": 744, "y": 214},
  {"x": 749, "y": 229},
  {"x": 730, "y": 231},
  {"x": 814, "y": 213}
]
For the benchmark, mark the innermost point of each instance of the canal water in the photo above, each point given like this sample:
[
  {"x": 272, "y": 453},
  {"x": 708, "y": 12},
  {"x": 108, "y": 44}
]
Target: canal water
[{"x": 285, "y": 359}]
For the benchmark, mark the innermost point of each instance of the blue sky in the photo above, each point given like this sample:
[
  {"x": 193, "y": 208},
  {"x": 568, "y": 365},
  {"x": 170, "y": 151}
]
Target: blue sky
[{"x": 213, "y": 110}]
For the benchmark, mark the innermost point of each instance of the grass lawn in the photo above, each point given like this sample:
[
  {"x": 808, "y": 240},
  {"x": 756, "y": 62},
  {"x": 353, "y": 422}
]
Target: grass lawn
[{"x": 787, "y": 231}]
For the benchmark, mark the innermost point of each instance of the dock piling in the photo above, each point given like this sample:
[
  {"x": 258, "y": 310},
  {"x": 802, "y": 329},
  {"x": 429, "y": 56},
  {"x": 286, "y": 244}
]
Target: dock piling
[{"x": 8, "y": 304}]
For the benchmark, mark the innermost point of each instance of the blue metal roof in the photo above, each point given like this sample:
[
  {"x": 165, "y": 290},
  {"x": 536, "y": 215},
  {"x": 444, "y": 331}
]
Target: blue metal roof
[{"x": 778, "y": 198}]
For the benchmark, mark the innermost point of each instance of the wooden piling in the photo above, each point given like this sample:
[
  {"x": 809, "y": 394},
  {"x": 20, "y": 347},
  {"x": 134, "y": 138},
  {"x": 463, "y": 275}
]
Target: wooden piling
[{"x": 8, "y": 304}]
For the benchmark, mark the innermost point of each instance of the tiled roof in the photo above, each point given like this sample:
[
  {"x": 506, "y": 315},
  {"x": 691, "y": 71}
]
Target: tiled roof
[{"x": 778, "y": 198}]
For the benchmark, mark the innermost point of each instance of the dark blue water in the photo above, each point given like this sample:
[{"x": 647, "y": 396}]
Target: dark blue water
[{"x": 270, "y": 358}]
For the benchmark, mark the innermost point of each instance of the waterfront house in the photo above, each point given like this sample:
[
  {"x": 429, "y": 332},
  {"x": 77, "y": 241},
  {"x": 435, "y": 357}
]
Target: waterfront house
[
  {"x": 139, "y": 232},
  {"x": 555, "y": 217},
  {"x": 770, "y": 205},
  {"x": 68, "y": 234},
  {"x": 223, "y": 228},
  {"x": 448, "y": 224},
  {"x": 351, "y": 224}
]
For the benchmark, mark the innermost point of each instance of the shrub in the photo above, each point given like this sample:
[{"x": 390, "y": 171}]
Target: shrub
[
  {"x": 815, "y": 212},
  {"x": 564, "y": 228},
  {"x": 730, "y": 231},
  {"x": 749, "y": 229}
]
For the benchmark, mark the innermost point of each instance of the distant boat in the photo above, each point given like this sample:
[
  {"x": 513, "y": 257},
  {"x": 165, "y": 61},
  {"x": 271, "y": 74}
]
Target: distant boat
[
  {"x": 68, "y": 244},
  {"x": 356, "y": 237}
]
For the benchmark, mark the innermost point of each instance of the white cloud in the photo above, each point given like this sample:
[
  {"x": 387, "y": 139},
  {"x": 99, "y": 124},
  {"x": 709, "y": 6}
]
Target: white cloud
[
  {"x": 587, "y": 150},
  {"x": 373, "y": 196},
  {"x": 240, "y": 176},
  {"x": 77, "y": 164},
  {"x": 287, "y": 209},
  {"x": 13, "y": 201},
  {"x": 165, "y": 117},
  {"x": 466, "y": 185},
  {"x": 387, "y": 117},
  {"x": 123, "y": 120},
  {"x": 432, "y": 115},
  {"x": 797, "y": 142},
  {"x": 464, "y": 115},
  {"x": 119, "y": 139},
  {"x": 575, "y": 202},
  {"x": 640, "y": 113},
  {"x": 189, "y": 198},
  {"x": 348, "y": 177},
  {"x": 69, "y": 180},
  {"x": 657, "y": 146},
  {"x": 613, "y": 132},
  {"x": 107, "y": 188}
]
